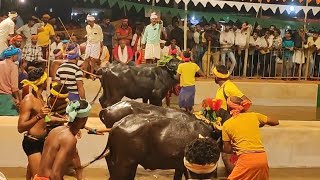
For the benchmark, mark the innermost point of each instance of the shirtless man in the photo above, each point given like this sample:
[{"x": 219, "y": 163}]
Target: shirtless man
[
  {"x": 32, "y": 113},
  {"x": 60, "y": 146}
]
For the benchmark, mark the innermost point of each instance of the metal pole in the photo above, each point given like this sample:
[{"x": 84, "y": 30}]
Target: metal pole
[
  {"x": 246, "y": 54},
  {"x": 308, "y": 52},
  {"x": 185, "y": 26}
]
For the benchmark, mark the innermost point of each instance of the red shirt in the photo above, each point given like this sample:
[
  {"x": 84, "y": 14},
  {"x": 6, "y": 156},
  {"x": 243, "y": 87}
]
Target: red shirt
[{"x": 124, "y": 32}]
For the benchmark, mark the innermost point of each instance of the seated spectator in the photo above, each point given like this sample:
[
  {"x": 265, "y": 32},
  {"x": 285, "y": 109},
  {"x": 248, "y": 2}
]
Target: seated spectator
[
  {"x": 173, "y": 47},
  {"x": 123, "y": 54},
  {"x": 201, "y": 158},
  {"x": 104, "y": 56},
  {"x": 57, "y": 44},
  {"x": 32, "y": 54},
  {"x": 164, "y": 49}
]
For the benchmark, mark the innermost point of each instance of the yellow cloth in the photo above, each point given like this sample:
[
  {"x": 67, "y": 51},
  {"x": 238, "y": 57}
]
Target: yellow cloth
[
  {"x": 44, "y": 35},
  {"x": 243, "y": 132},
  {"x": 230, "y": 89},
  {"x": 36, "y": 83},
  {"x": 187, "y": 71}
]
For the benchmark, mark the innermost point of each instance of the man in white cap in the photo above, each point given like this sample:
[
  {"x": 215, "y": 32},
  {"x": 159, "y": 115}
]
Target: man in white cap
[
  {"x": 151, "y": 39},
  {"x": 164, "y": 49},
  {"x": 94, "y": 40},
  {"x": 7, "y": 30}
]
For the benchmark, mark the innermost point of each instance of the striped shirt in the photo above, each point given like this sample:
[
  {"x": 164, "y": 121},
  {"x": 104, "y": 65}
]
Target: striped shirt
[{"x": 70, "y": 73}]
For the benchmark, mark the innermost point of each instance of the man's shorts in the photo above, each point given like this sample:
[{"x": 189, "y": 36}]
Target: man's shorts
[{"x": 32, "y": 145}]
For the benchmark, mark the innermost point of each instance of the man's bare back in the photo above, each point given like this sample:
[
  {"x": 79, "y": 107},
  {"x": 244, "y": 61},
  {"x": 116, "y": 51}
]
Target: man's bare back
[{"x": 59, "y": 151}]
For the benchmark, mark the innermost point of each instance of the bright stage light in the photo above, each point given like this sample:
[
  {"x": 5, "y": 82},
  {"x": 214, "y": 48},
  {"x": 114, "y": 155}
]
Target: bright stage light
[
  {"x": 22, "y": 1},
  {"x": 292, "y": 8},
  {"x": 193, "y": 18}
]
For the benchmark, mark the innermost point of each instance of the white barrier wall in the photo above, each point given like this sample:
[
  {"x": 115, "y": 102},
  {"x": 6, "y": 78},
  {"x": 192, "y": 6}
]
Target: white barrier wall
[
  {"x": 260, "y": 93},
  {"x": 291, "y": 144}
]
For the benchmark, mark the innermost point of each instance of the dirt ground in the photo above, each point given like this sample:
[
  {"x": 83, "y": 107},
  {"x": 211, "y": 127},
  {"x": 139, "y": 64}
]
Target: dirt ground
[{"x": 99, "y": 174}]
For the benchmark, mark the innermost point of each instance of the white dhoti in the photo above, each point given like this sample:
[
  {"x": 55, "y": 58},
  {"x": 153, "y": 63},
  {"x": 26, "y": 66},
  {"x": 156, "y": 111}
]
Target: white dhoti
[
  {"x": 93, "y": 50},
  {"x": 298, "y": 57},
  {"x": 3, "y": 46},
  {"x": 152, "y": 51}
]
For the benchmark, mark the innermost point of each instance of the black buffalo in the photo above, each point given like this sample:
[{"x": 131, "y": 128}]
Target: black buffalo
[
  {"x": 152, "y": 136},
  {"x": 149, "y": 82}
]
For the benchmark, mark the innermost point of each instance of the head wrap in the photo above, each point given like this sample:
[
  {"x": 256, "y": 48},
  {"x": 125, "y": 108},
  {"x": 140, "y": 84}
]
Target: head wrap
[
  {"x": 236, "y": 108},
  {"x": 58, "y": 94},
  {"x": 46, "y": 16},
  {"x": 72, "y": 51},
  {"x": 65, "y": 41},
  {"x": 153, "y": 16},
  {"x": 73, "y": 111},
  {"x": 162, "y": 41},
  {"x": 125, "y": 20},
  {"x": 185, "y": 59},
  {"x": 12, "y": 15},
  {"x": 11, "y": 51},
  {"x": 91, "y": 18},
  {"x": 36, "y": 83},
  {"x": 15, "y": 38},
  {"x": 200, "y": 169},
  {"x": 220, "y": 75}
]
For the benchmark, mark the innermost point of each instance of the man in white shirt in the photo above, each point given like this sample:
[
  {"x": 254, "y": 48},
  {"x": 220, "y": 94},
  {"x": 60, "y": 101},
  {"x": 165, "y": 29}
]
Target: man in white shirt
[
  {"x": 265, "y": 45},
  {"x": 57, "y": 44},
  {"x": 226, "y": 43},
  {"x": 29, "y": 29},
  {"x": 164, "y": 49},
  {"x": 94, "y": 40},
  {"x": 241, "y": 38},
  {"x": 253, "y": 54},
  {"x": 7, "y": 30},
  {"x": 197, "y": 49}
]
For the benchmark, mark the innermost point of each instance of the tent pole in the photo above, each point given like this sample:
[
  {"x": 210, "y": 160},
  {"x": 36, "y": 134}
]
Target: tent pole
[
  {"x": 185, "y": 29},
  {"x": 308, "y": 53},
  {"x": 306, "y": 16}
]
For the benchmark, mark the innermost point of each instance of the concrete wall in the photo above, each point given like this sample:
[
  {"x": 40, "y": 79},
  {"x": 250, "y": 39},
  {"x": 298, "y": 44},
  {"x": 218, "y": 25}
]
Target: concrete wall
[
  {"x": 266, "y": 94},
  {"x": 292, "y": 144},
  {"x": 260, "y": 93}
]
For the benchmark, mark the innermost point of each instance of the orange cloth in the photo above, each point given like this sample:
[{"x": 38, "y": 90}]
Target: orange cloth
[
  {"x": 253, "y": 166},
  {"x": 15, "y": 38},
  {"x": 236, "y": 109},
  {"x": 36, "y": 177}
]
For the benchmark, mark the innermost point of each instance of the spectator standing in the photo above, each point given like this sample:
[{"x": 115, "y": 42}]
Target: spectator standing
[
  {"x": 288, "y": 45},
  {"x": 124, "y": 32},
  {"x": 253, "y": 57},
  {"x": 226, "y": 43},
  {"x": 136, "y": 43},
  {"x": 197, "y": 48},
  {"x": 241, "y": 44},
  {"x": 108, "y": 33},
  {"x": 151, "y": 39},
  {"x": 313, "y": 44},
  {"x": 7, "y": 30},
  {"x": 300, "y": 40},
  {"x": 45, "y": 33},
  {"x": 265, "y": 45},
  {"x": 276, "y": 50},
  {"x": 9, "y": 91},
  {"x": 94, "y": 41},
  {"x": 177, "y": 34},
  {"x": 29, "y": 29},
  {"x": 32, "y": 54}
]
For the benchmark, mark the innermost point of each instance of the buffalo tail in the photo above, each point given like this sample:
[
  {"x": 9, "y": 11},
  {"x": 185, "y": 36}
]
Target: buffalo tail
[{"x": 104, "y": 154}]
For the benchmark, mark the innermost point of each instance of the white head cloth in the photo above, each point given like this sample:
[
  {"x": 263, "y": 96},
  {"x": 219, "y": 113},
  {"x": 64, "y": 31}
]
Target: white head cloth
[
  {"x": 162, "y": 41},
  {"x": 153, "y": 16},
  {"x": 91, "y": 18},
  {"x": 12, "y": 15}
]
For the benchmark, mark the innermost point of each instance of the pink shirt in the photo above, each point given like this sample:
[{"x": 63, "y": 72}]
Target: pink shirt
[{"x": 8, "y": 77}]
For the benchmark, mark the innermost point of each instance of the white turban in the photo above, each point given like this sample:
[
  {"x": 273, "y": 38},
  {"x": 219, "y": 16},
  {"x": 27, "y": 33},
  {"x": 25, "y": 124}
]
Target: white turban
[
  {"x": 162, "y": 41},
  {"x": 91, "y": 18},
  {"x": 12, "y": 15},
  {"x": 153, "y": 16}
]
